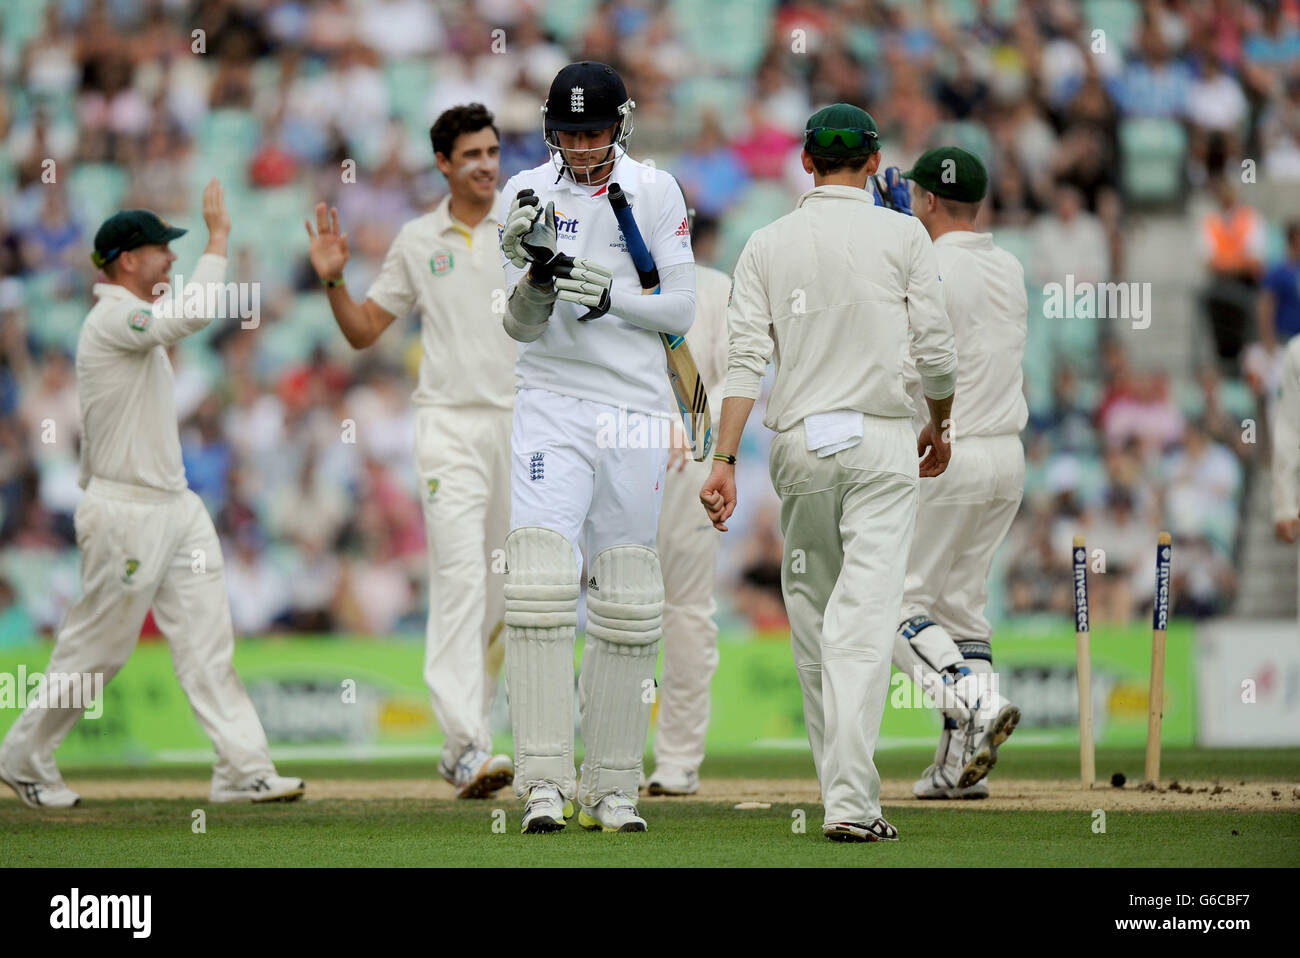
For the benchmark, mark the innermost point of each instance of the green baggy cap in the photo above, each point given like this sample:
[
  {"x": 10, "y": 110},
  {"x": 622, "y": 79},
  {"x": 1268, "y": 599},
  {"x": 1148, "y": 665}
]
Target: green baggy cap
[
  {"x": 128, "y": 229},
  {"x": 951, "y": 172},
  {"x": 841, "y": 130}
]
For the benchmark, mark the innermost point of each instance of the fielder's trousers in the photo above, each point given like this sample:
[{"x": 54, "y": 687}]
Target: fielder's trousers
[
  {"x": 463, "y": 458},
  {"x": 964, "y": 516},
  {"x": 847, "y": 521},
  {"x": 688, "y": 554},
  {"x": 143, "y": 547}
]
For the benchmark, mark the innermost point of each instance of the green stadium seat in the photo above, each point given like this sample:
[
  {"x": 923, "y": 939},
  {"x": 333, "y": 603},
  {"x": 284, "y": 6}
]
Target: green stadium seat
[
  {"x": 731, "y": 35},
  {"x": 695, "y": 96},
  {"x": 762, "y": 204},
  {"x": 96, "y": 191},
  {"x": 568, "y": 20},
  {"x": 1152, "y": 153},
  {"x": 1119, "y": 18},
  {"x": 408, "y": 90}
]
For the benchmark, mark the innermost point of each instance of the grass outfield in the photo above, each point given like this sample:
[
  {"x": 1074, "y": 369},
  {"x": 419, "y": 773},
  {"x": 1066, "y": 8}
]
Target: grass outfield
[{"x": 414, "y": 831}]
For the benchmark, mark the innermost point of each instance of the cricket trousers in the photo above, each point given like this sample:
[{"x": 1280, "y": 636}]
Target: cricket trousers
[
  {"x": 143, "y": 547},
  {"x": 463, "y": 458},
  {"x": 964, "y": 515},
  {"x": 847, "y": 520},
  {"x": 688, "y": 553}
]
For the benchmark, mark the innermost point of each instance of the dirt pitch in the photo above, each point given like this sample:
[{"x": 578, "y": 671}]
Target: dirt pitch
[{"x": 1008, "y": 794}]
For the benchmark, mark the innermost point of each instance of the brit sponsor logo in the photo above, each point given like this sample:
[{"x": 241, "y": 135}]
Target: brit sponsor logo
[{"x": 565, "y": 226}]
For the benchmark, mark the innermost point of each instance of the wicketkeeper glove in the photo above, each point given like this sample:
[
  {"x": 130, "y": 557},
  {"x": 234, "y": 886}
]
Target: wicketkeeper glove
[
  {"x": 585, "y": 282},
  {"x": 894, "y": 193},
  {"x": 524, "y": 212}
]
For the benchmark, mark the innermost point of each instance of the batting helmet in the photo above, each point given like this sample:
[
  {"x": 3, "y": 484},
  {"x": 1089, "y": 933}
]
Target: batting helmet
[{"x": 586, "y": 96}]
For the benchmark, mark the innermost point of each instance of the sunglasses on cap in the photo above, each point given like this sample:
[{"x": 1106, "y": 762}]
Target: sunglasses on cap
[{"x": 825, "y": 137}]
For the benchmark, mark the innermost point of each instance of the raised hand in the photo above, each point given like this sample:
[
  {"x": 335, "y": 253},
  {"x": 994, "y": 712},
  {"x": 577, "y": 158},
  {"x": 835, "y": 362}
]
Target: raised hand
[
  {"x": 328, "y": 247},
  {"x": 215, "y": 214}
]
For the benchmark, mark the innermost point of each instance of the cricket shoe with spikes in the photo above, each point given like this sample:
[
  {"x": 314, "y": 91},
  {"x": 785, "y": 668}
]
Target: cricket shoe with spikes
[
  {"x": 992, "y": 720},
  {"x": 545, "y": 810},
  {"x": 613, "y": 813},
  {"x": 671, "y": 781},
  {"x": 40, "y": 794},
  {"x": 478, "y": 774},
  {"x": 265, "y": 788},
  {"x": 940, "y": 779},
  {"x": 877, "y": 831}
]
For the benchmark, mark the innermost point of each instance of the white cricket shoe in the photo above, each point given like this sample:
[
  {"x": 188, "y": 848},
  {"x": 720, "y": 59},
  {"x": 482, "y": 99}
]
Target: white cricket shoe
[
  {"x": 990, "y": 725},
  {"x": 877, "y": 831},
  {"x": 545, "y": 810},
  {"x": 40, "y": 794},
  {"x": 266, "y": 788},
  {"x": 941, "y": 777},
  {"x": 672, "y": 781},
  {"x": 613, "y": 813},
  {"x": 478, "y": 774}
]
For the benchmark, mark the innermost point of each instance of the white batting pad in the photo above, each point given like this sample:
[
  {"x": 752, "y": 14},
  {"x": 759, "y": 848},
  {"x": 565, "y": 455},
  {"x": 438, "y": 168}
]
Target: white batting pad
[
  {"x": 923, "y": 652},
  {"x": 541, "y": 592},
  {"x": 625, "y": 603}
]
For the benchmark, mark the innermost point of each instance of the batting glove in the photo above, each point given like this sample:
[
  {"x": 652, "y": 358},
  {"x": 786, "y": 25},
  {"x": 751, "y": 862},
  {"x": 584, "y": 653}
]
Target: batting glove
[
  {"x": 585, "y": 282},
  {"x": 894, "y": 193},
  {"x": 524, "y": 211},
  {"x": 539, "y": 246}
]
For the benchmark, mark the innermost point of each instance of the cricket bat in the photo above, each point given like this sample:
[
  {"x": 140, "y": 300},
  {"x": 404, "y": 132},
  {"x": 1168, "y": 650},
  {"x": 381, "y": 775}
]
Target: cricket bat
[{"x": 684, "y": 377}]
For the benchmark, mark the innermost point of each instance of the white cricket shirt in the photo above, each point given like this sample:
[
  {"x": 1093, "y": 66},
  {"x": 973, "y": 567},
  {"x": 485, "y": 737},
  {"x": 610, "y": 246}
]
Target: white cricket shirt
[
  {"x": 453, "y": 275},
  {"x": 843, "y": 296},
  {"x": 984, "y": 294},
  {"x": 606, "y": 360},
  {"x": 126, "y": 388},
  {"x": 1286, "y": 437},
  {"x": 707, "y": 338}
]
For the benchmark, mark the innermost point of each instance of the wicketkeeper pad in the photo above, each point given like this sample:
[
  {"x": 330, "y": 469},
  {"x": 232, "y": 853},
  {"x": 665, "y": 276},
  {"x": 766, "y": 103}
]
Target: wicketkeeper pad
[
  {"x": 625, "y": 604},
  {"x": 541, "y": 592}
]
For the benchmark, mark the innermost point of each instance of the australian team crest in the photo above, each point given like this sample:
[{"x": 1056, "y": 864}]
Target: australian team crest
[
  {"x": 432, "y": 485},
  {"x": 442, "y": 262},
  {"x": 131, "y": 566}
]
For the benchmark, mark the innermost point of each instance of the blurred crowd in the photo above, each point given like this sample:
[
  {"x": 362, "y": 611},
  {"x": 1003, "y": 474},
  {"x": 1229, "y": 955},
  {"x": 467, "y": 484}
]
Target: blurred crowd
[{"x": 1083, "y": 112}]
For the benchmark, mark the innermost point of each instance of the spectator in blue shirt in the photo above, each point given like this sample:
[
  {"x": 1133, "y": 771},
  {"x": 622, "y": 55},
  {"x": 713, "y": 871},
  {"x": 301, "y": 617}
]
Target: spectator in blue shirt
[
  {"x": 1153, "y": 84},
  {"x": 1279, "y": 307}
]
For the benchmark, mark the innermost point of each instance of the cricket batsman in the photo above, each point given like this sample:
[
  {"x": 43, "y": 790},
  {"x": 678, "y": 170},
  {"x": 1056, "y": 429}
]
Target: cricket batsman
[
  {"x": 966, "y": 512},
  {"x": 144, "y": 536},
  {"x": 591, "y": 353},
  {"x": 688, "y": 552},
  {"x": 446, "y": 264},
  {"x": 1286, "y": 448},
  {"x": 850, "y": 292}
]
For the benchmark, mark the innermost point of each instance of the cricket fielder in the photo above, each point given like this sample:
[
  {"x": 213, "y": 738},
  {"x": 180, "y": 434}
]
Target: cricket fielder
[
  {"x": 1286, "y": 447},
  {"x": 591, "y": 359},
  {"x": 965, "y": 513},
  {"x": 688, "y": 552},
  {"x": 844, "y": 296},
  {"x": 447, "y": 264},
  {"x": 144, "y": 536}
]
